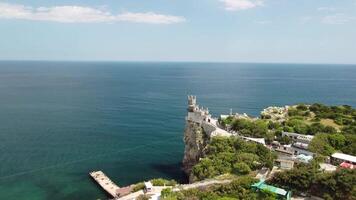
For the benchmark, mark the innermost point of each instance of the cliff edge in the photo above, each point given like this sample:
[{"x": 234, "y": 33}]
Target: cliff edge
[
  {"x": 195, "y": 143},
  {"x": 199, "y": 129}
]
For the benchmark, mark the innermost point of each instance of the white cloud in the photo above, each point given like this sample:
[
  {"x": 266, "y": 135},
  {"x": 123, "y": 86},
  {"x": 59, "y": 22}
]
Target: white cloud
[
  {"x": 234, "y": 5},
  {"x": 149, "y": 17},
  {"x": 79, "y": 14},
  {"x": 338, "y": 18},
  {"x": 326, "y": 9}
]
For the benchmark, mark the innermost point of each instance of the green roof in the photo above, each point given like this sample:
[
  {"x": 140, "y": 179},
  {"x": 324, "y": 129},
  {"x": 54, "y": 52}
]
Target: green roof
[{"x": 262, "y": 186}]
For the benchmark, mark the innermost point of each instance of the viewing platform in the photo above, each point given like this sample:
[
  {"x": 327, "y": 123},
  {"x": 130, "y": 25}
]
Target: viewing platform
[{"x": 105, "y": 182}]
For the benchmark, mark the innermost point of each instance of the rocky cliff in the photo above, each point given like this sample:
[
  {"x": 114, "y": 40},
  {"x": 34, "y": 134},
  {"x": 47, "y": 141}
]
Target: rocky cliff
[
  {"x": 195, "y": 141},
  {"x": 196, "y": 135},
  {"x": 199, "y": 129}
]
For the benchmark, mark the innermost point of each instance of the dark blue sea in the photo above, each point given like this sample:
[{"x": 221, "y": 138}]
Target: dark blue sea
[{"x": 61, "y": 120}]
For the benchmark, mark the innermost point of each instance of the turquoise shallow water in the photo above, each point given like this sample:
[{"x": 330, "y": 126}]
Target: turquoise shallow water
[{"x": 60, "y": 120}]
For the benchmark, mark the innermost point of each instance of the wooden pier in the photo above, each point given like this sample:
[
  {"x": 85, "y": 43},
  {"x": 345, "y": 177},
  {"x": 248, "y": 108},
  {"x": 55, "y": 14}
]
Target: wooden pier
[{"x": 105, "y": 182}]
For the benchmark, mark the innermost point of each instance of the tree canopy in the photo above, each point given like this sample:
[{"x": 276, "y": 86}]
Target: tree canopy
[{"x": 232, "y": 155}]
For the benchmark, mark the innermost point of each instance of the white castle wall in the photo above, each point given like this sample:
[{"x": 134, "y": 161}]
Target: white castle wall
[
  {"x": 196, "y": 117},
  {"x": 208, "y": 128},
  {"x": 202, "y": 117}
]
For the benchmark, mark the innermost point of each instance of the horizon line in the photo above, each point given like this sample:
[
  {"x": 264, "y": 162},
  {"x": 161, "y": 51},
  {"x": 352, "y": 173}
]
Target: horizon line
[{"x": 171, "y": 61}]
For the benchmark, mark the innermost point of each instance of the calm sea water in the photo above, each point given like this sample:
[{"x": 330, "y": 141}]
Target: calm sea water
[{"x": 60, "y": 120}]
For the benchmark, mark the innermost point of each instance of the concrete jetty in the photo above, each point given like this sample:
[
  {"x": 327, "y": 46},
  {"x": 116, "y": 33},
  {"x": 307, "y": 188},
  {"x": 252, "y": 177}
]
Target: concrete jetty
[{"x": 105, "y": 182}]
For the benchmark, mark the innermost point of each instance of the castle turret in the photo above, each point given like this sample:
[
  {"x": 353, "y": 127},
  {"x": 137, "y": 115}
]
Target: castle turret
[{"x": 192, "y": 103}]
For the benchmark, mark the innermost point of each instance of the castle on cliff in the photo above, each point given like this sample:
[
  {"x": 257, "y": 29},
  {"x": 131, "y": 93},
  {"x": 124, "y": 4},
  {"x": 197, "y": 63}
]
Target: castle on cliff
[
  {"x": 210, "y": 125},
  {"x": 195, "y": 113}
]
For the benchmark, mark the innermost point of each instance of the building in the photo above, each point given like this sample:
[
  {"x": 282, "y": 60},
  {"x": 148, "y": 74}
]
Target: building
[
  {"x": 284, "y": 150},
  {"x": 325, "y": 167},
  {"x": 285, "y": 164},
  {"x": 347, "y": 165},
  {"x": 209, "y": 124},
  {"x": 281, "y": 193},
  {"x": 300, "y": 143},
  {"x": 304, "y": 158},
  {"x": 296, "y": 137},
  {"x": 148, "y": 187},
  {"x": 298, "y": 151},
  {"x": 195, "y": 113},
  {"x": 338, "y": 158},
  {"x": 203, "y": 118}
]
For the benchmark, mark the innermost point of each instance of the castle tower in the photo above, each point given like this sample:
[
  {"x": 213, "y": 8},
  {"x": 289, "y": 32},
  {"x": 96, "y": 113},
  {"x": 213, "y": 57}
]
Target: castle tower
[{"x": 192, "y": 103}]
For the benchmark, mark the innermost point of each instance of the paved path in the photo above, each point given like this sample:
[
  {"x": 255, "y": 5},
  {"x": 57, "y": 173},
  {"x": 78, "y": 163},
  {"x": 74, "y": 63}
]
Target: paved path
[
  {"x": 131, "y": 196},
  {"x": 200, "y": 184},
  {"x": 156, "y": 190}
]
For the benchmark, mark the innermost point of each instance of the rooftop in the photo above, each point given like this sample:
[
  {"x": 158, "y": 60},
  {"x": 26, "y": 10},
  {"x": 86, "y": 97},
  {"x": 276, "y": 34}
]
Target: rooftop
[
  {"x": 148, "y": 184},
  {"x": 343, "y": 156},
  {"x": 263, "y": 186}
]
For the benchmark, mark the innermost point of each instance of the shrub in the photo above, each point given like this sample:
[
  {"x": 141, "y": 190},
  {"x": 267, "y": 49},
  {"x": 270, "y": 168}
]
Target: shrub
[
  {"x": 224, "y": 152},
  {"x": 241, "y": 168},
  {"x": 138, "y": 186},
  {"x": 320, "y": 144},
  {"x": 166, "y": 192},
  {"x": 162, "y": 182},
  {"x": 302, "y": 107}
]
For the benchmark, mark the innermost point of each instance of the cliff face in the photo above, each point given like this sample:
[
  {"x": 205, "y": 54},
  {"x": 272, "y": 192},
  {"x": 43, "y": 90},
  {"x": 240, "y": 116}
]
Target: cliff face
[
  {"x": 195, "y": 142},
  {"x": 199, "y": 128}
]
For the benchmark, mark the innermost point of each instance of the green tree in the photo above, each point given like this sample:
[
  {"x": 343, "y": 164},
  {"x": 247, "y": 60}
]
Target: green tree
[
  {"x": 337, "y": 140},
  {"x": 205, "y": 169},
  {"x": 162, "y": 182},
  {"x": 338, "y": 185},
  {"x": 285, "y": 140},
  {"x": 320, "y": 144},
  {"x": 168, "y": 194},
  {"x": 241, "y": 168},
  {"x": 302, "y": 107},
  {"x": 249, "y": 159},
  {"x": 299, "y": 178},
  {"x": 299, "y": 126},
  {"x": 139, "y": 186},
  {"x": 267, "y": 195},
  {"x": 350, "y": 144}
]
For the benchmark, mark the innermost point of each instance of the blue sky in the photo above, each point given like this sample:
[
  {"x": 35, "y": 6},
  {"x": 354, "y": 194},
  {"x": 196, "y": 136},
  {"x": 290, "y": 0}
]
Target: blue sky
[{"x": 303, "y": 31}]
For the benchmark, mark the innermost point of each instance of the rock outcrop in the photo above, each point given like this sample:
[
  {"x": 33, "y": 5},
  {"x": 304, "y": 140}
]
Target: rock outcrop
[
  {"x": 195, "y": 141},
  {"x": 199, "y": 128}
]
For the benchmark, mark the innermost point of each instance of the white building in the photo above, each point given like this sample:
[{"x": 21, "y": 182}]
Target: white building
[
  {"x": 285, "y": 164},
  {"x": 338, "y": 158},
  {"x": 148, "y": 186},
  {"x": 298, "y": 137}
]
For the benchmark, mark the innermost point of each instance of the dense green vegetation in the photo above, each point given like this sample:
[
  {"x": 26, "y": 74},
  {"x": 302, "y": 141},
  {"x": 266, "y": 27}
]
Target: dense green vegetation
[
  {"x": 333, "y": 126},
  {"x": 232, "y": 155},
  {"x": 342, "y": 115},
  {"x": 339, "y": 135},
  {"x": 334, "y": 129},
  {"x": 340, "y": 184},
  {"x": 239, "y": 188}
]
